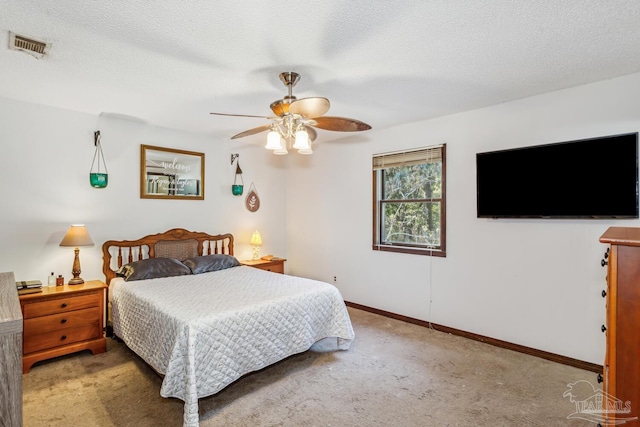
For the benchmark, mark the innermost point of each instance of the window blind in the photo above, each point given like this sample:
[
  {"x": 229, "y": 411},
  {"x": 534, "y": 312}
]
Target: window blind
[{"x": 407, "y": 158}]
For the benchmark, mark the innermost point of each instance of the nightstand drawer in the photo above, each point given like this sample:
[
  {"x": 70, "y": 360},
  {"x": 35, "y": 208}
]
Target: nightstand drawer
[
  {"x": 72, "y": 319},
  {"x": 276, "y": 268},
  {"x": 62, "y": 337},
  {"x": 61, "y": 304}
]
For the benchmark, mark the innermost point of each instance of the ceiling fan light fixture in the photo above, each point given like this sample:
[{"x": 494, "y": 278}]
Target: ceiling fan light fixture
[
  {"x": 296, "y": 121},
  {"x": 274, "y": 142},
  {"x": 302, "y": 140}
]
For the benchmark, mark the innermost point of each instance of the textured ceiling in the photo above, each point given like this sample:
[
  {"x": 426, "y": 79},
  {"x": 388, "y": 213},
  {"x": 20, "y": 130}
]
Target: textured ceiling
[{"x": 386, "y": 63}]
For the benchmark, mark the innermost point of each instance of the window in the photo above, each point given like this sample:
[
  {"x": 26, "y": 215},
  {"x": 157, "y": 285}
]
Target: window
[{"x": 409, "y": 201}]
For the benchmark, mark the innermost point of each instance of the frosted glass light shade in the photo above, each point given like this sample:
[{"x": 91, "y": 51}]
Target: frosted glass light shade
[
  {"x": 281, "y": 151},
  {"x": 273, "y": 141},
  {"x": 305, "y": 151},
  {"x": 302, "y": 140}
]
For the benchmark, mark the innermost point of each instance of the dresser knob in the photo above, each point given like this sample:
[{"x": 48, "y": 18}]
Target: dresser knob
[
  {"x": 63, "y": 305},
  {"x": 600, "y": 378},
  {"x": 604, "y": 293},
  {"x": 603, "y": 328},
  {"x": 63, "y": 321},
  {"x": 62, "y": 338},
  {"x": 603, "y": 263}
]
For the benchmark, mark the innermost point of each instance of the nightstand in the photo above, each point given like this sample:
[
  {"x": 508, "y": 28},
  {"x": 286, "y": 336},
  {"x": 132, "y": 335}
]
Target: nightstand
[
  {"x": 62, "y": 320},
  {"x": 276, "y": 265}
]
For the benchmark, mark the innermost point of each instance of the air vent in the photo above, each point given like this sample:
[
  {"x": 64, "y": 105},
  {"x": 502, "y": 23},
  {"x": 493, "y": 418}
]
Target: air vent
[{"x": 35, "y": 48}]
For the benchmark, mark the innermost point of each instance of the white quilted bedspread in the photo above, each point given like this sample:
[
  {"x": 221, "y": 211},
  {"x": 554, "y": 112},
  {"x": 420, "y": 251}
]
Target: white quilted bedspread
[{"x": 204, "y": 331}]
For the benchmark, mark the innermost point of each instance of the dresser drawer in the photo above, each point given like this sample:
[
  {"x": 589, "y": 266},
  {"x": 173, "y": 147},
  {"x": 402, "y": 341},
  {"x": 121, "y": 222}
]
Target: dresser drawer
[
  {"x": 61, "y": 304},
  {"x": 71, "y": 319},
  {"x": 62, "y": 337}
]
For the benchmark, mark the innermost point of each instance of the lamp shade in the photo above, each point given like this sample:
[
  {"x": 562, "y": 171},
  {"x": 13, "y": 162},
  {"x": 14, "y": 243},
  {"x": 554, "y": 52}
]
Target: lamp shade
[
  {"x": 77, "y": 235},
  {"x": 256, "y": 239}
]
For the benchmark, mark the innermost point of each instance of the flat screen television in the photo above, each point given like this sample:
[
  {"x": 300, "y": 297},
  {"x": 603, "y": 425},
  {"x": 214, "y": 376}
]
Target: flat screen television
[{"x": 590, "y": 178}]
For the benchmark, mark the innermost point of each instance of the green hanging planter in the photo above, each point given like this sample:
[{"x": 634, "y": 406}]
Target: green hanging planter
[
  {"x": 236, "y": 189},
  {"x": 97, "y": 178}
]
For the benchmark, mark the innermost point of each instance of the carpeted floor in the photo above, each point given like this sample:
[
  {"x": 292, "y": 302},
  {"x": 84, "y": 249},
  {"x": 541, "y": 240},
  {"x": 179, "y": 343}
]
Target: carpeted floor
[{"x": 395, "y": 374}]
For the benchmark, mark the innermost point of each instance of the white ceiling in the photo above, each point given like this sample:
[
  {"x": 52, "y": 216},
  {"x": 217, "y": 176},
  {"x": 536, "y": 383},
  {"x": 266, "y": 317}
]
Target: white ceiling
[{"x": 386, "y": 63}]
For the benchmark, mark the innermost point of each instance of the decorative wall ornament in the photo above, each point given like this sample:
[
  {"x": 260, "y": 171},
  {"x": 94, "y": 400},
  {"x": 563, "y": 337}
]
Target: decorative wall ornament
[
  {"x": 98, "y": 178},
  {"x": 252, "y": 202},
  {"x": 236, "y": 189}
]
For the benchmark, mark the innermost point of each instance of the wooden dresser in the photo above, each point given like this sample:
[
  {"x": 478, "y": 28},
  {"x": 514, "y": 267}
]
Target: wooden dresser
[
  {"x": 622, "y": 359},
  {"x": 62, "y": 320},
  {"x": 10, "y": 352}
]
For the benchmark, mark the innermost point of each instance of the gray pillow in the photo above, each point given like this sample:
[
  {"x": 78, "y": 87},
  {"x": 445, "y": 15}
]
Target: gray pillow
[
  {"x": 152, "y": 268},
  {"x": 207, "y": 263}
]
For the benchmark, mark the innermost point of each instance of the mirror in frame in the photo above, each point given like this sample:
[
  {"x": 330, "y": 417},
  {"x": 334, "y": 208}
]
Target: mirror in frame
[{"x": 166, "y": 173}]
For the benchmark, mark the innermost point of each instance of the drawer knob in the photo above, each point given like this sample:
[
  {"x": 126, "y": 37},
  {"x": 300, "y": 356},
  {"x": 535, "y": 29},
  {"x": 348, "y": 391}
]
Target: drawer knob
[
  {"x": 62, "y": 338},
  {"x": 63, "y": 305},
  {"x": 604, "y": 293},
  {"x": 603, "y": 328},
  {"x": 63, "y": 321},
  {"x": 603, "y": 263},
  {"x": 600, "y": 378}
]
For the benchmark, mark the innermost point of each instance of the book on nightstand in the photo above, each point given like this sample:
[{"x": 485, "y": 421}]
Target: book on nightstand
[
  {"x": 29, "y": 287},
  {"x": 29, "y": 284},
  {"x": 25, "y": 291}
]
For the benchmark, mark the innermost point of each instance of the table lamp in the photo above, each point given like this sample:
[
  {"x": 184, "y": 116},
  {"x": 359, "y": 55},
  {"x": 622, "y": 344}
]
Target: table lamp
[
  {"x": 76, "y": 236},
  {"x": 256, "y": 242}
]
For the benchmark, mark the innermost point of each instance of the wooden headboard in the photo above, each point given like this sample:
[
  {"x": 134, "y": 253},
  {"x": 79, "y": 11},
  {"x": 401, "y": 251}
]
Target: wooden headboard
[{"x": 175, "y": 243}]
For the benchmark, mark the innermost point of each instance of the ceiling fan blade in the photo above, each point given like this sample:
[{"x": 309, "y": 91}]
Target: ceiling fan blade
[
  {"x": 310, "y": 107},
  {"x": 252, "y": 131},
  {"x": 242, "y": 115},
  {"x": 340, "y": 124}
]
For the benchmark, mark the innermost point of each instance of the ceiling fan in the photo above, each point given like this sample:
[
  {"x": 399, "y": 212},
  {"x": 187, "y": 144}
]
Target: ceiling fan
[{"x": 295, "y": 119}]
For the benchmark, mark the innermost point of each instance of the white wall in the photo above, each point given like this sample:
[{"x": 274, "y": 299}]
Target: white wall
[
  {"x": 46, "y": 159},
  {"x": 536, "y": 283},
  {"x": 532, "y": 282}
]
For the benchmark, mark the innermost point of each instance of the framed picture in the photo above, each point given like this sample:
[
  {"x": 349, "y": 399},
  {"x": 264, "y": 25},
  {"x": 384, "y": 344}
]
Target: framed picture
[{"x": 166, "y": 173}]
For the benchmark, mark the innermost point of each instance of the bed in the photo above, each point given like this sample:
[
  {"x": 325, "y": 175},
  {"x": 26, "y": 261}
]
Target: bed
[{"x": 181, "y": 301}]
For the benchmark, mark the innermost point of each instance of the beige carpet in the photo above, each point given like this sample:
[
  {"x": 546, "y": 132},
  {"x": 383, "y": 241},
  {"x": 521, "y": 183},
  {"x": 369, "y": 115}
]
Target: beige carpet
[{"x": 394, "y": 374}]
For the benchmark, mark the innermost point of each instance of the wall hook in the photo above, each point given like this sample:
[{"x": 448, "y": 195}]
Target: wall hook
[{"x": 234, "y": 157}]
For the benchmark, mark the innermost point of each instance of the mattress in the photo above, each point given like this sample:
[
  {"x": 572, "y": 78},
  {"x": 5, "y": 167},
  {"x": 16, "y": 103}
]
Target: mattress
[{"x": 204, "y": 331}]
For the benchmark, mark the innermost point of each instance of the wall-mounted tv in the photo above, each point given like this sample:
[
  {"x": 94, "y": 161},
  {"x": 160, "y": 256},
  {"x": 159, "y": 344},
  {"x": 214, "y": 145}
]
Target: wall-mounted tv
[{"x": 590, "y": 178}]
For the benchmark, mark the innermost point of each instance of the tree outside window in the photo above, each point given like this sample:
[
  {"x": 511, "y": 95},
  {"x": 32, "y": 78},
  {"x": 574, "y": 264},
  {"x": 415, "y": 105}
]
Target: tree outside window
[{"x": 409, "y": 201}]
